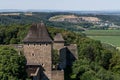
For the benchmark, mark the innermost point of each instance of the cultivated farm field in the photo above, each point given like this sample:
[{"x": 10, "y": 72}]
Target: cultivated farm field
[
  {"x": 102, "y": 32},
  {"x": 113, "y": 40},
  {"x": 111, "y": 37}
]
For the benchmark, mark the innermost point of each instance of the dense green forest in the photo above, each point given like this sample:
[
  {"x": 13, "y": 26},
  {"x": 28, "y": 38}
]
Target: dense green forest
[
  {"x": 96, "y": 61},
  {"x": 12, "y": 65}
]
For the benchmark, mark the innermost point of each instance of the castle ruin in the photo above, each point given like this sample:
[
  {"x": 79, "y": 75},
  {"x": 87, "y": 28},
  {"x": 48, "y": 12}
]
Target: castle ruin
[{"x": 38, "y": 48}]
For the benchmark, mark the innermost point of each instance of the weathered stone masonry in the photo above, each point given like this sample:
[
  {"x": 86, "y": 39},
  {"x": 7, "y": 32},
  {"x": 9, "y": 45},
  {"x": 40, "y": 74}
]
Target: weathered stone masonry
[
  {"x": 38, "y": 47},
  {"x": 38, "y": 50}
]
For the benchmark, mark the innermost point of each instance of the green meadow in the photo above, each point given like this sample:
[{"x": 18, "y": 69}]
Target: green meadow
[
  {"x": 105, "y": 36},
  {"x": 102, "y": 32},
  {"x": 113, "y": 40}
]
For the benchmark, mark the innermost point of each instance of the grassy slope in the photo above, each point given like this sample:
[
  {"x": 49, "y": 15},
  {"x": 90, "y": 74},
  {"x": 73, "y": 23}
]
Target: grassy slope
[
  {"x": 113, "y": 40},
  {"x": 102, "y": 32},
  {"x": 106, "y": 36}
]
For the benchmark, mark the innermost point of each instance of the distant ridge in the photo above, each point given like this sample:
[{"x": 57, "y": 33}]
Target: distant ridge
[
  {"x": 29, "y": 10},
  {"x": 10, "y": 10},
  {"x": 107, "y": 12}
]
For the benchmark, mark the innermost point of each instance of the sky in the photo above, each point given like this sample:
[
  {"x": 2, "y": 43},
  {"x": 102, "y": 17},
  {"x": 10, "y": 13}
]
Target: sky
[{"x": 61, "y": 4}]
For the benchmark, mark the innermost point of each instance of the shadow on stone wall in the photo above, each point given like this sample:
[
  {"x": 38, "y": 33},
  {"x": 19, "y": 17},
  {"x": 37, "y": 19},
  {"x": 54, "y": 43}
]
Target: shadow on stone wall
[
  {"x": 58, "y": 75},
  {"x": 70, "y": 58}
]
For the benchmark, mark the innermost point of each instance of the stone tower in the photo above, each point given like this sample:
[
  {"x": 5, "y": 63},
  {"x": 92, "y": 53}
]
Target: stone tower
[
  {"x": 59, "y": 45},
  {"x": 37, "y": 50},
  {"x": 38, "y": 47},
  {"x": 58, "y": 41}
]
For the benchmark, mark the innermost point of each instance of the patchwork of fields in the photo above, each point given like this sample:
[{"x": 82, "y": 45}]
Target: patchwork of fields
[{"x": 106, "y": 36}]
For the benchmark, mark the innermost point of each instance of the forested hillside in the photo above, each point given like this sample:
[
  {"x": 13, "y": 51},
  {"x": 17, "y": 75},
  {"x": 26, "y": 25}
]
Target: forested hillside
[
  {"x": 95, "y": 60},
  {"x": 44, "y": 16}
]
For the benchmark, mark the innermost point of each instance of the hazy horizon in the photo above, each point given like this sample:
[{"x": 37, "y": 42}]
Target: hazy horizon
[{"x": 73, "y": 5}]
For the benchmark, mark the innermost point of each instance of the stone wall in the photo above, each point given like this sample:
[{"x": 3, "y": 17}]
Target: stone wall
[
  {"x": 73, "y": 49},
  {"x": 57, "y": 75},
  {"x": 58, "y": 46},
  {"x": 39, "y": 54},
  {"x": 62, "y": 54}
]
